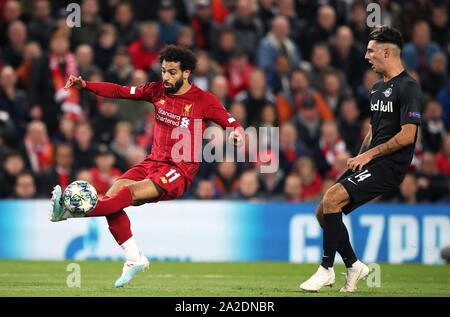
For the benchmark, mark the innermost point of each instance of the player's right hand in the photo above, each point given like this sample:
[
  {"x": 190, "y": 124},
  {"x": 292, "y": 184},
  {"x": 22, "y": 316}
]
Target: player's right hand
[{"x": 76, "y": 82}]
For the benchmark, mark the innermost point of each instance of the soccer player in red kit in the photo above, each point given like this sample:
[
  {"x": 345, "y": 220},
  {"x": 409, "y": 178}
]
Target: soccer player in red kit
[{"x": 181, "y": 109}]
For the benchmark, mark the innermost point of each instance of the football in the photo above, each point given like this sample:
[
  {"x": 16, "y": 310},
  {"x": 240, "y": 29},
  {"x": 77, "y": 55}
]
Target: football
[{"x": 80, "y": 198}]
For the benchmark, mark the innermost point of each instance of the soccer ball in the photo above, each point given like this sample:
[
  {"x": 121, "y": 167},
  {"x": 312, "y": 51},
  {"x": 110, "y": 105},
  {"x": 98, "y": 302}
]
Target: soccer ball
[{"x": 80, "y": 198}]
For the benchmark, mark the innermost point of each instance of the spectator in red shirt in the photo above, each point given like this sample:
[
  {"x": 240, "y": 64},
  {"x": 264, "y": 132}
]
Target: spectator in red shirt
[
  {"x": 104, "y": 173},
  {"x": 238, "y": 73},
  {"x": 311, "y": 180},
  {"x": 145, "y": 50}
]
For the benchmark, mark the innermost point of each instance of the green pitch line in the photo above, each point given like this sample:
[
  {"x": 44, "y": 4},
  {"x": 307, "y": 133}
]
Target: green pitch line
[{"x": 184, "y": 279}]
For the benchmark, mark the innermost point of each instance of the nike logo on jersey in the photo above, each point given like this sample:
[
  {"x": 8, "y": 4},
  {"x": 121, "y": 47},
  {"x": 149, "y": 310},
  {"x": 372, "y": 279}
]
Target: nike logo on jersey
[
  {"x": 373, "y": 91},
  {"x": 382, "y": 107}
]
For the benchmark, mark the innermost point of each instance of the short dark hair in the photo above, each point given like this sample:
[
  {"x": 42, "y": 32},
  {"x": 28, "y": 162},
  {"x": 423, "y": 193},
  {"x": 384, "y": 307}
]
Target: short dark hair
[
  {"x": 387, "y": 34},
  {"x": 177, "y": 53}
]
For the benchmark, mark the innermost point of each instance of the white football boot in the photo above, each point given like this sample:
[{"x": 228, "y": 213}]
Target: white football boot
[
  {"x": 130, "y": 269},
  {"x": 355, "y": 273},
  {"x": 57, "y": 210},
  {"x": 323, "y": 277}
]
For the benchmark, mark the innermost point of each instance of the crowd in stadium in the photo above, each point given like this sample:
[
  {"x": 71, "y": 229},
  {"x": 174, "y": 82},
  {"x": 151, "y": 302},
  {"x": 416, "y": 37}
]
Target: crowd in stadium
[{"x": 294, "y": 64}]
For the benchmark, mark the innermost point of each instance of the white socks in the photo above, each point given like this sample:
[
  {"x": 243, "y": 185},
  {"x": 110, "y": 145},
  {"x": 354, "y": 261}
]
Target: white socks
[{"x": 131, "y": 249}]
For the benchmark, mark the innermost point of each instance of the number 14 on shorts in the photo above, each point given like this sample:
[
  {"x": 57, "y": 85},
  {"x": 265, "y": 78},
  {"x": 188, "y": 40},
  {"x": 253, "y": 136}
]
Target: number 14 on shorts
[
  {"x": 359, "y": 177},
  {"x": 172, "y": 174}
]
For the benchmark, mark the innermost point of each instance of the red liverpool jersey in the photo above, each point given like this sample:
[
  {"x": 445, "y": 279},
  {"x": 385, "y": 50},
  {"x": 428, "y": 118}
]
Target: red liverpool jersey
[{"x": 180, "y": 120}]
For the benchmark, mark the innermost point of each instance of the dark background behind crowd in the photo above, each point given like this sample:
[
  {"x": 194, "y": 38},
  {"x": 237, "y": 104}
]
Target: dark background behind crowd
[{"x": 294, "y": 64}]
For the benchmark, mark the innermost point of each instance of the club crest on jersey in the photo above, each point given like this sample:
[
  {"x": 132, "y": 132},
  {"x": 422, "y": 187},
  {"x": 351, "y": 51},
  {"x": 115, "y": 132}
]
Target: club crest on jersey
[
  {"x": 161, "y": 101},
  {"x": 387, "y": 92},
  {"x": 380, "y": 106},
  {"x": 186, "y": 110}
]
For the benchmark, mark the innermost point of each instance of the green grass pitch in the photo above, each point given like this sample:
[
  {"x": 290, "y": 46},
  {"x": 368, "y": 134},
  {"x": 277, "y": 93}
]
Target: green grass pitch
[{"x": 185, "y": 279}]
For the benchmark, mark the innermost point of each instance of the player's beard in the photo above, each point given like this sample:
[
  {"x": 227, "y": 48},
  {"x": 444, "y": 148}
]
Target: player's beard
[{"x": 175, "y": 87}]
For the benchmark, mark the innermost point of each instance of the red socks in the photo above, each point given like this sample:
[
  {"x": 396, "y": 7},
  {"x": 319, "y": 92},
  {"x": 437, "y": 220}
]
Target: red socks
[
  {"x": 120, "y": 227},
  {"x": 111, "y": 205}
]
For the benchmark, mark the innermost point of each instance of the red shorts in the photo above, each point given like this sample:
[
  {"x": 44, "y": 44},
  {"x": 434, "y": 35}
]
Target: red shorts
[{"x": 165, "y": 174}]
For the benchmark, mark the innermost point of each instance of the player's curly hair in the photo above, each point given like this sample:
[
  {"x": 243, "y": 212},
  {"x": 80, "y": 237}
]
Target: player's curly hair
[
  {"x": 177, "y": 53},
  {"x": 387, "y": 34}
]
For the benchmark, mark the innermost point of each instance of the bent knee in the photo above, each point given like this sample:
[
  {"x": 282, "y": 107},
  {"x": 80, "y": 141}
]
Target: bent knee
[{"x": 335, "y": 198}]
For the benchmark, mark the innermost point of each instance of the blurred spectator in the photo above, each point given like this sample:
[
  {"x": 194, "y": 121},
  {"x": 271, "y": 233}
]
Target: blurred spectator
[
  {"x": 167, "y": 23},
  {"x": 320, "y": 61},
  {"x": 135, "y": 156},
  {"x": 225, "y": 179},
  {"x": 413, "y": 11},
  {"x": 120, "y": 70},
  {"x": 127, "y": 28},
  {"x": 433, "y": 128},
  {"x": 443, "y": 96},
  {"x": 333, "y": 92},
  {"x": 417, "y": 54},
  {"x": 320, "y": 31},
  {"x": 307, "y": 10},
  {"x": 301, "y": 93},
  {"x": 439, "y": 25},
  {"x": 238, "y": 73},
  {"x": 84, "y": 148},
  {"x": 42, "y": 25},
  {"x": 206, "y": 29},
  {"x": 248, "y": 187},
  {"x": 443, "y": 157},
  {"x": 105, "y": 122},
  {"x": 13, "y": 100},
  {"x": 247, "y": 26},
  {"x": 12, "y": 166},
  {"x": 134, "y": 110},
  {"x": 84, "y": 175},
  {"x": 407, "y": 190},
  {"x": 91, "y": 24},
  {"x": 291, "y": 147},
  {"x": 347, "y": 56},
  {"x": 256, "y": 96},
  {"x": 219, "y": 88},
  {"x": 25, "y": 186},
  {"x": 358, "y": 24},
  {"x": 331, "y": 145},
  {"x": 12, "y": 11},
  {"x": 105, "y": 46},
  {"x": 270, "y": 181},
  {"x": 36, "y": 148},
  {"x": 31, "y": 54},
  {"x": 363, "y": 92},
  {"x": 311, "y": 180},
  {"x": 266, "y": 12},
  {"x": 433, "y": 185},
  {"x": 148, "y": 10},
  {"x": 205, "y": 190},
  {"x": 66, "y": 130},
  {"x": 122, "y": 143},
  {"x": 14, "y": 49},
  {"x": 434, "y": 78},
  {"x": 390, "y": 13},
  {"x": 226, "y": 46},
  {"x": 186, "y": 37},
  {"x": 292, "y": 189},
  {"x": 277, "y": 41},
  {"x": 104, "y": 173},
  {"x": 286, "y": 8},
  {"x": 204, "y": 72},
  {"x": 47, "y": 96},
  {"x": 350, "y": 125},
  {"x": 62, "y": 173},
  {"x": 339, "y": 166},
  {"x": 145, "y": 50},
  {"x": 239, "y": 113},
  {"x": 278, "y": 79},
  {"x": 84, "y": 55}
]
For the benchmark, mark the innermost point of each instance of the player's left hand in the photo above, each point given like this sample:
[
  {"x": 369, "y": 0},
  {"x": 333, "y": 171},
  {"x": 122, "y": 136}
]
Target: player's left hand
[
  {"x": 358, "y": 162},
  {"x": 236, "y": 138}
]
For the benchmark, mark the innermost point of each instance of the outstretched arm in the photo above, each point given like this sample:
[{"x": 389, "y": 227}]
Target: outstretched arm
[
  {"x": 108, "y": 90},
  {"x": 405, "y": 137}
]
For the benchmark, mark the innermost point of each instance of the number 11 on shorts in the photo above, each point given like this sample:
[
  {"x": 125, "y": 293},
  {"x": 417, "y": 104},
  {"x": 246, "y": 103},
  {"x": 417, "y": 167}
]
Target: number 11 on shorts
[{"x": 174, "y": 177}]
